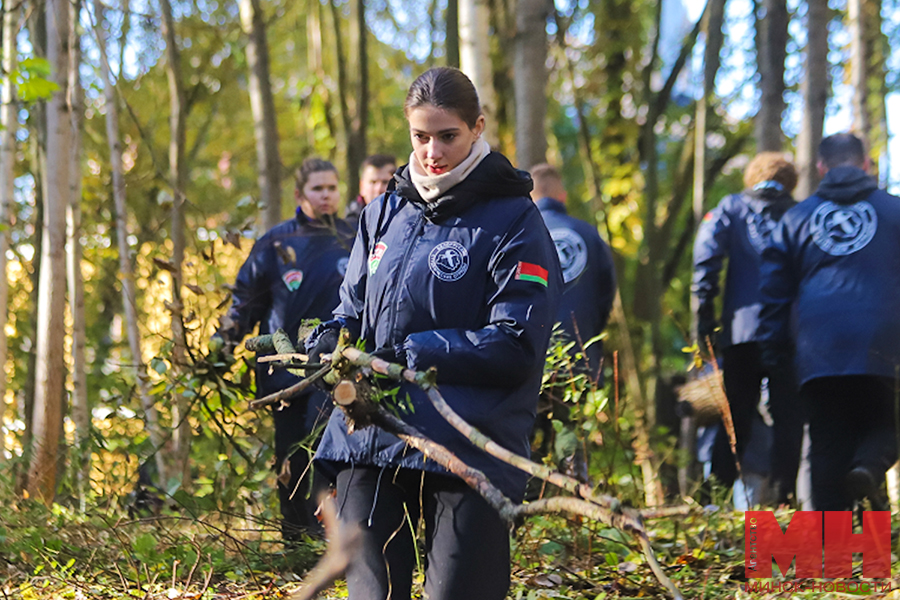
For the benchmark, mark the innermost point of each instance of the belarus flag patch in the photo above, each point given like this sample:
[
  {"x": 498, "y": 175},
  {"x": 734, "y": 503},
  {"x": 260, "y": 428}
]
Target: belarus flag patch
[{"x": 529, "y": 272}]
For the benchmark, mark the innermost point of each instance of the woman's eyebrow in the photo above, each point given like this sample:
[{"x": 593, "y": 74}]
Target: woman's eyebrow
[{"x": 441, "y": 132}]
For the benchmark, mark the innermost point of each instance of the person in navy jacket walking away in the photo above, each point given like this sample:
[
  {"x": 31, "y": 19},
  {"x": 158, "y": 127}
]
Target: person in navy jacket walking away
[
  {"x": 830, "y": 285},
  {"x": 452, "y": 268},
  {"x": 293, "y": 273},
  {"x": 738, "y": 229},
  {"x": 587, "y": 268}
]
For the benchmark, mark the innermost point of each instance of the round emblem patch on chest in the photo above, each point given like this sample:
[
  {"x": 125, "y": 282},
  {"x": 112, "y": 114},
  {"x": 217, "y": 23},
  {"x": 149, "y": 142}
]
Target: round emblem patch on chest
[
  {"x": 841, "y": 229},
  {"x": 448, "y": 261},
  {"x": 572, "y": 252}
]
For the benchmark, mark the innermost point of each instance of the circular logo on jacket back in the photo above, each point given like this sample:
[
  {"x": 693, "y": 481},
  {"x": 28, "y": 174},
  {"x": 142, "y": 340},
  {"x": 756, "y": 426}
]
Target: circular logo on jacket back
[
  {"x": 448, "y": 261},
  {"x": 572, "y": 252},
  {"x": 760, "y": 230},
  {"x": 842, "y": 229}
]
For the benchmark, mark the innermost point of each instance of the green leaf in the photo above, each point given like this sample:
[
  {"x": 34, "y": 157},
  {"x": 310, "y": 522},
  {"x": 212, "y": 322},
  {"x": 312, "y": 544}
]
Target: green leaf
[
  {"x": 36, "y": 66},
  {"x": 158, "y": 365},
  {"x": 33, "y": 89},
  {"x": 144, "y": 546}
]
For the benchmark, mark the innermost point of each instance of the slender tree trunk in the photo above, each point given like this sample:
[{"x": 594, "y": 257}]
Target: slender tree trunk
[
  {"x": 180, "y": 467},
  {"x": 126, "y": 271},
  {"x": 50, "y": 373},
  {"x": 358, "y": 143},
  {"x": 859, "y": 71},
  {"x": 814, "y": 88},
  {"x": 772, "y": 37},
  {"x": 354, "y": 122},
  {"x": 452, "y": 35},
  {"x": 81, "y": 412},
  {"x": 878, "y": 47},
  {"x": 531, "y": 82},
  {"x": 262, "y": 104},
  {"x": 475, "y": 60},
  {"x": 712, "y": 29},
  {"x": 9, "y": 123}
]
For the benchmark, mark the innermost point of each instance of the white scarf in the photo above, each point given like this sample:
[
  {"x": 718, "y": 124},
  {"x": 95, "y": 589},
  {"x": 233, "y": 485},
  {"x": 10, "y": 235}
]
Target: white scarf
[{"x": 431, "y": 187}]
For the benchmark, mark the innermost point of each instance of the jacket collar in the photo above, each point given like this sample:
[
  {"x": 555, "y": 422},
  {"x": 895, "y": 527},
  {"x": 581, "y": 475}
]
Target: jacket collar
[
  {"x": 303, "y": 220},
  {"x": 551, "y": 204}
]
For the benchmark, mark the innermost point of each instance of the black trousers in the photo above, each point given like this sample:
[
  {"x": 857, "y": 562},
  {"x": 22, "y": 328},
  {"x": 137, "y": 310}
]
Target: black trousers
[
  {"x": 743, "y": 373},
  {"x": 851, "y": 424},
  {"x": 298, "y": 494},
  {"x": 466, "y": 542}
]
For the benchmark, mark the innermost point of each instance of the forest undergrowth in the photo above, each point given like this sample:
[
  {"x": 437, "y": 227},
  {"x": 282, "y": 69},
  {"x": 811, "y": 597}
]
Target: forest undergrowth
[
  {"x": 222, "y": 540},
  {"x": 103, "y": 553}
]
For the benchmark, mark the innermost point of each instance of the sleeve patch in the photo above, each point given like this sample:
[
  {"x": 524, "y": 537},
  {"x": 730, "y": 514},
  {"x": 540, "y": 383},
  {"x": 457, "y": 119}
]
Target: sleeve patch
[{"x": 530, "y": 272}]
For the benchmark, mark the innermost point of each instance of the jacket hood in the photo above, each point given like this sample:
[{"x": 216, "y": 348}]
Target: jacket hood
[
  {"x": 846, "y": 185},
  {"x": 494, "y": 177},
  {"x": 769, "y": 194}
]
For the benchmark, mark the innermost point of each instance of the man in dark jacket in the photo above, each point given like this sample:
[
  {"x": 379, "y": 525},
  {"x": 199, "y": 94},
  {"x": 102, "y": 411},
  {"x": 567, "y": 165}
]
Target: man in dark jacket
[
  {"x": 739, "y": 229},
  {"x": 830, "y": 283},
  {"x": 587, "y": 267},
  {"x": 374, "y": 176},
  {"x": 293, "y": 273}
]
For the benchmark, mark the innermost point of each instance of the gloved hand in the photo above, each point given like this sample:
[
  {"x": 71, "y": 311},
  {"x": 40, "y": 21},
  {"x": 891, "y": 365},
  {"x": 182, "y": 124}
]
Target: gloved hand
[
  {"x": 321, "y": 342},
  {"x": 393, "y": 354}
]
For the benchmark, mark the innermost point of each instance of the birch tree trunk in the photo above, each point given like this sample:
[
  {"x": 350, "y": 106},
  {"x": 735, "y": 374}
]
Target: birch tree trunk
[
  {"x": 262, "y": 104},
  {"x": 771, "y": 39},
  {"x": 126, "y": 270},
  {"x": 531, "y": 82},
  {"x": 51, "y": 367},
  {"x": 177, "y": 170},
  {"x": 9, "y": 122},
  {"x": 475, "y": 60},
  {"x": 814, "y": 88},
  {"x": 81, "y": 412}
]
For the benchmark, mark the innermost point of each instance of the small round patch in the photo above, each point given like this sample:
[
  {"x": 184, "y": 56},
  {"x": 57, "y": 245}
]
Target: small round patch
[
  {"x": 572, "y": 252},
  {"x": 760, "y": 230},
  {"x": 448, "y": 261},
  {"x": 342, "y": 265},
  {"x": 842, "y": 229}
]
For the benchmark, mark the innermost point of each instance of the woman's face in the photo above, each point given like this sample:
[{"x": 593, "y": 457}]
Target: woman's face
[
  {"x": 320, "y": 195},
  {"x": 440, "y": 138}
]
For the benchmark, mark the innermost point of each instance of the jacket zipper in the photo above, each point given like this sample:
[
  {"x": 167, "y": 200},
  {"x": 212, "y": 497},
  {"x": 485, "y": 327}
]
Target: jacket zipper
[{"x": 420, "y": 224}]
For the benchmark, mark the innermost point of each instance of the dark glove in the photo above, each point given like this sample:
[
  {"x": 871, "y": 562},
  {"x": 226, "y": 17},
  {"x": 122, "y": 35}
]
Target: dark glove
[
  {"x": 321, "y": 342},
  {"x": 393, "y": 354}
]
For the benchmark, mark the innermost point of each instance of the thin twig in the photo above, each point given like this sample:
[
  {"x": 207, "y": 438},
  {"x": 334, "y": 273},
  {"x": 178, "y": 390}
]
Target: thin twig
[
  {"x": 284, "y": 357},
  {"x": 288, "y": 393}
]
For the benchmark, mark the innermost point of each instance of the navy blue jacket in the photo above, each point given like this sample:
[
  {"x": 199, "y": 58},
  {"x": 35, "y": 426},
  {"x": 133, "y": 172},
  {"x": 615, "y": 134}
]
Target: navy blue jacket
[
  {"x": 831, "y": 279},
  {"x": 737, "y": 229},
  {"x": 468, "y": 284},
  {"x": 589, "y": 275},
  {"x": 293, "y": 272}
]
